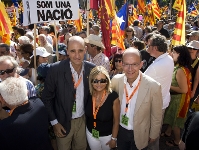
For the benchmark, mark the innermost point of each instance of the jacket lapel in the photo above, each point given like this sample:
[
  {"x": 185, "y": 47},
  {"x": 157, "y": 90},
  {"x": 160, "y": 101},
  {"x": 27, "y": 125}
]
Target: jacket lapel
[
  {"x": 68, "y": 74},
  {"x": 143, "y": 89}
]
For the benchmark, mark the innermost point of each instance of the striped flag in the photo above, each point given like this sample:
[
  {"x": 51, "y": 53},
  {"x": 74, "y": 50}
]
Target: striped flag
[
  {"x": 5, "y": 25},
  {"x": 110, "y": 7},
  {"x": 141, "y": 5},
  {"x": 133, "y": 16},
  {"x": 78, "y": 23},
  {"x": 156, "y": 9},
  {"x": 179, "y": 32},
  {"x": 192, "y": 10},
  {"x": 117, "y": 37},
  {"x": 177, "y": 5}
]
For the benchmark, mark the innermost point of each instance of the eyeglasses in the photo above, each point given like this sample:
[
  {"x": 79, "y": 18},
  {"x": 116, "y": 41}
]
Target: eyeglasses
[
  {"x": 2, "y": 72},
  {"x": 118, "y": 60},
  {"x": 135, "y": 65},
  {"x": 99, "y": 81},
  {"x": 129, "y": 31}
]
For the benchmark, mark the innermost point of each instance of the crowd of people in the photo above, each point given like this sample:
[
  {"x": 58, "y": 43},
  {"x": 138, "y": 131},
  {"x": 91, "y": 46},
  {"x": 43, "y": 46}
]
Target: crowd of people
[{"x": 82, "y": 99}]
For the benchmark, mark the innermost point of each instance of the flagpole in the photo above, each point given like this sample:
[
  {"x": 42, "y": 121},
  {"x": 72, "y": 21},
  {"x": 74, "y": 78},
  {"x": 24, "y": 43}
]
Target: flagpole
[
  {"x": 170, "y": 8},
  {"x": 35, "y": 64},
  {"x": 56, "y": 41}
]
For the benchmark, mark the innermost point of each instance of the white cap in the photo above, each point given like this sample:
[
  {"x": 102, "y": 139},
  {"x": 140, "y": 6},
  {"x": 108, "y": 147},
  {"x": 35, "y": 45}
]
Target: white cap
[{"x": 41, "y": 51}]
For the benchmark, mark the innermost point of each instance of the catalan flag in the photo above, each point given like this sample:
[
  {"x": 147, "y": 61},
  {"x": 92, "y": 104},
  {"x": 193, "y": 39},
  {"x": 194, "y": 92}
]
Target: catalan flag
[
  {"x": 177, "y": 5},
  {"x": 117, "y": 36},
  {"x": 141, "y": 5},
  {"x": 5, "y": 25},
  {"x": 156, "y": 9},
  {"x": 133, "y": 16},
  {"x": 192, "y": 10},
  {"x": 110, "y": 7},
  {"x": 78, "y": 23},
  {"x": 179, "y": 32}
]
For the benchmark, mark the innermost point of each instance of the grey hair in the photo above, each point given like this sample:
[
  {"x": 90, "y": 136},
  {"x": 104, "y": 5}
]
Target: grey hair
[
  {"x": 42, "y": 35},
  {"x": 24, "y": 39},
  {"x": 2, "y": 45},
  {"x": 159, "y": 41},
  {"x": 13, "y": 61},
  {"x": 30, "y": 36},
  {"x": 14, "y": 91}
]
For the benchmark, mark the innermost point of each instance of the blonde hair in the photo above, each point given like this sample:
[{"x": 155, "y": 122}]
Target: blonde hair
[{"x": 94, "y": 72}]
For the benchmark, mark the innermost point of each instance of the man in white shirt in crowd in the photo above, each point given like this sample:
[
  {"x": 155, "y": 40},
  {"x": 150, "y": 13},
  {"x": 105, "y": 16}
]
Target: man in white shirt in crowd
[{"x": 160, "y": 70}]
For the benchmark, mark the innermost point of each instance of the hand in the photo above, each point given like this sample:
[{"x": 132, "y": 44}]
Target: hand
[
  {"x": 192, "y": 94},
  {"x": 111, "y": 143},
  {"x": 151, "y": 140},
  {"x": 182, "y": 145},
  {"x": 58, "y": 129}
]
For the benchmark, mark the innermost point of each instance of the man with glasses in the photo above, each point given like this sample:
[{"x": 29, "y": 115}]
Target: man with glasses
[
  {"x": 141, "y": 104},
  {"x": 160, "y": 70},
  {"x": 8, "y": 68}
]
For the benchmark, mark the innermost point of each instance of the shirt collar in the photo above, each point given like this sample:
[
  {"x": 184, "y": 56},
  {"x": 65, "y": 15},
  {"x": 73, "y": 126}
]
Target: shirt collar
[
  {"x": 161, "y": 56},
  {"x": 97, "y": 56},
  {"x": 134, "y": 83},
  {"x": 73, "y": 70}
]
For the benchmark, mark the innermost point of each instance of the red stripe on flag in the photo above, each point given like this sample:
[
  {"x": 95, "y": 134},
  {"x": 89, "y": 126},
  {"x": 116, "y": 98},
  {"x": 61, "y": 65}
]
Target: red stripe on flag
[
  {"x": 4, "y": 23},
  {"x": 177, "y": 37},
  {"x": 181, "y": 14},
  {"x": 178, "y": 25}
]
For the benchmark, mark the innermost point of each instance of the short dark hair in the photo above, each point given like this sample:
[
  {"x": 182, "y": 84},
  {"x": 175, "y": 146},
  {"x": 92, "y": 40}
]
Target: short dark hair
[
  {"x": 136, "y": 23},
  {"x": 27, "y": 48},
  {"x": 139, "y": 44},
  {"x": 5, "y": 45},
  {"x": 148, "y": 36},
  {"x": 159, "y": 41}
]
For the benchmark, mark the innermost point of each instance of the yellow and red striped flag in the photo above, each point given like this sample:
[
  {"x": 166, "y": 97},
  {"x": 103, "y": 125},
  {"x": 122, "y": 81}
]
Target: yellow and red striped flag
[
  {"x": 178, "y": 5},
  {"x": 110, "y": 7},
  {"x": 156, "y": 9},
  {"x": 5, "y": 25},
  {"x": 179, "y": 32},
  {"x": 141, "y": 5},
  {"x": 78, "y": 23},
  {"x": 132, "y": 17},
  {"x": 117, "y": 36}
]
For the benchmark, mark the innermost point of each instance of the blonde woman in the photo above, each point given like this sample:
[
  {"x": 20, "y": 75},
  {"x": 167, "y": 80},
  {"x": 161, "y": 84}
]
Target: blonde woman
[{"x": 102, "y": 111}]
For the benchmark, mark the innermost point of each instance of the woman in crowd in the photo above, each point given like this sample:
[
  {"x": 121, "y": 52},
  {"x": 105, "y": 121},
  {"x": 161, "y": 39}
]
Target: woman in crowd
[
  {"x": 175, "y": 114},
  {"x": 116, "y": 65},
  {"x": 129, "y": 37},
  {"x": 102, "y": 111},
  {"x": 41, "y": 57}
]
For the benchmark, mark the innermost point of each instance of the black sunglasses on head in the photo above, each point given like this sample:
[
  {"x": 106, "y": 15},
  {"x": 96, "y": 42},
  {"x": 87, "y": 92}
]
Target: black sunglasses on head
[
  {"x": 2, "y": 72},
  {"x": 99, "y": 81}
]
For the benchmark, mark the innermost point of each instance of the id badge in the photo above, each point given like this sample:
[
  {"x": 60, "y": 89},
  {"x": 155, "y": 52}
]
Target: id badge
[
  {"x": 95, "y": 133},
  {"x": 74, "y": 107},
  {"x": 125, "y": 120}
]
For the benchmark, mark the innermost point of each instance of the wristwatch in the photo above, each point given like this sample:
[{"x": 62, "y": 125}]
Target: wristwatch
[{"x": 114, "y": 139}]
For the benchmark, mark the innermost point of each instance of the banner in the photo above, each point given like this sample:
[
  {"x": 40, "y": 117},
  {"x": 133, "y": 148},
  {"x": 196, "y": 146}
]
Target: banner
[{"x": 47, "y": 10}]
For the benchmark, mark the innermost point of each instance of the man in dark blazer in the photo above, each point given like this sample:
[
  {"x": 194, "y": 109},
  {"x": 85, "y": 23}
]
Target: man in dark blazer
[
  {"x": 65, "y": 94},
  {"x": 27, "y": 126}
]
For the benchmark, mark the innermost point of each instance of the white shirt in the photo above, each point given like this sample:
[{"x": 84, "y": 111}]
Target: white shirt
[
  {"x": 101, "y": 60},
  {"x": 79, "y": 93},
  {"x": 161, "y": 70},
  {"x": 49, "y": 39},
  {"x": 131, "y": 106},
  {"x": 138, "y": 32}
]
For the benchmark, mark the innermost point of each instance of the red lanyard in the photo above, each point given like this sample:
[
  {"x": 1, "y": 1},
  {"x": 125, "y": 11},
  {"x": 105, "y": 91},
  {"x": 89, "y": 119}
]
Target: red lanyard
[
  {"x": 77, "y": 83},
  {"x": 95, "y": 111},
  {"x": 11, "y": 111},
  {"x": 128, "y": 99}
]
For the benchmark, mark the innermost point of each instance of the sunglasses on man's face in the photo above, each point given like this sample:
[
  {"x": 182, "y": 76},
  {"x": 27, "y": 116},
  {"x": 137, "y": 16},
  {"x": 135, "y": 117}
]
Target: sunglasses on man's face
[
  {"x": 2, "y": 72},
  {"x": 99, "y": 81}
]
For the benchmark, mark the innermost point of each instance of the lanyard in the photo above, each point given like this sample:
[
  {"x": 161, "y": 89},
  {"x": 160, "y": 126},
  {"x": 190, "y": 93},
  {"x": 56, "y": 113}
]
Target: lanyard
[
  {"x": 95, "y": 110},
  {"x": 76, "y": 84},
  {"x": 128, "y": 99},
  {"x": 11, "y": 111}
]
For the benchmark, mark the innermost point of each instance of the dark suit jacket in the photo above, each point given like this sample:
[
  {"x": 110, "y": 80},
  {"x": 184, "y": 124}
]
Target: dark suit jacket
[
  {"x": 26, "y": 128},
  {"x": 58, "y": 94}
]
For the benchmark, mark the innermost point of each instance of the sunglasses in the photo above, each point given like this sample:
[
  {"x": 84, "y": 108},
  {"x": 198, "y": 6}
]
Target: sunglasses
[
  {"x": 2, "y": 72},
  {"x": 99, "y": 81},
  {"x": 118, "y": 61},
  {"x": 129, "y": 31}
]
